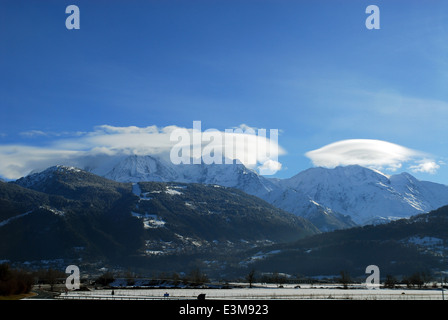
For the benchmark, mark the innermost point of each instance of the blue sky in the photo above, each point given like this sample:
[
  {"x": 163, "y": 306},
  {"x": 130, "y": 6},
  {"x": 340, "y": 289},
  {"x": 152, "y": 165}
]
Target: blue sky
[{"x": 310, "y": 69}]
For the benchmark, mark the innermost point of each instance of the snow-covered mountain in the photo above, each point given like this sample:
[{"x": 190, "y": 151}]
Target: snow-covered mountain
[
  {"x": 330, "y": 198},
  {"x": 151, "y": 168},
  {"x": 366, "y": 195},
  {"x": 298, "y": 203}
]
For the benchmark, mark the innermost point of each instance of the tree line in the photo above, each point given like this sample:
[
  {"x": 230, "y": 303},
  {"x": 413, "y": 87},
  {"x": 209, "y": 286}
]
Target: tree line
[
  {"x": 14, "y": 281},
  {"x": 20, "y": 281}
]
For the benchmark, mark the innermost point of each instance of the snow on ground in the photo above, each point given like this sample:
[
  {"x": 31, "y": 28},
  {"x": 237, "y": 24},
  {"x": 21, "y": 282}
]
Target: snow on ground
[
  {"x": 172, "y": 191},
  {"x": 145, "y": 196},
  {"x": 53, "y": 210},
  {"x": 289, "y": 292},
  {"x": 190, "y": 205},
  {"x": 138, "y": 192},
  {"x": 136, "y": 189},
  {"x": 261, "y": 255},
  {"x": 149, "y": 220}
]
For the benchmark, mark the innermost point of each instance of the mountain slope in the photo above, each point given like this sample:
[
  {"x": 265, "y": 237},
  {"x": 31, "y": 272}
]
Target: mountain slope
[
  {"x": 219, "y": 213},
  {"x": 67, "y": 213},
  {"x": 401, "y": 247},
  {"x": 330, "y": 198},
  {"x": 302, "y": 205},
  {"x": 150, "y": 168},
  {"x": 76, "y": 215}
]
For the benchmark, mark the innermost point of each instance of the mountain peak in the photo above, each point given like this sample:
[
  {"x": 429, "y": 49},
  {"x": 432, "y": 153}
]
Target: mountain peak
[
  {"x": 404, "y": 177},
  {"x": 61, "y": 179},
  {"x": 353, "y": 174},
  {"x": 62, "y": 168},
  {"x": 138, "y": 168}
]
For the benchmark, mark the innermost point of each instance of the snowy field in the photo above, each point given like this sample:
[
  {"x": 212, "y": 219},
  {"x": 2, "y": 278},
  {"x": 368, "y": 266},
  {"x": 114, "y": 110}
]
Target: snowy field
[{"x": 263, "y": 293}]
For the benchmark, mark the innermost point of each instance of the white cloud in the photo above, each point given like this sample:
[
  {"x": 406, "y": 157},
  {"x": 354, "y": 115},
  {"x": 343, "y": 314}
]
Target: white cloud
[
  {"x": 19, "y": 160},
  {"x": 33, "y": 133},
  {"x": 40, "y": 133},
  {"x": 375, "y": 154},
  {"x": 270, "y": 167},
  {"x": 131, "y": 140},
  {"x": 427, "y": 166}
]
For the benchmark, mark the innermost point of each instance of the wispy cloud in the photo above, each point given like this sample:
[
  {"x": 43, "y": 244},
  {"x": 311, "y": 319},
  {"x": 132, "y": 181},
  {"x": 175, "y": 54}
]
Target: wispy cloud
[
  {"x": 377, "y": 154},
  {"x": 40, "y": 133},
  {"x": 33, "y": 133}
]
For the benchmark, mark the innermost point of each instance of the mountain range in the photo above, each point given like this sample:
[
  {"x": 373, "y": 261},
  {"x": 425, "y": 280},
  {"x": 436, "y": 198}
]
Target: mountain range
[
  {"x": 145, "y": 212},
  {"x": 331, "y": 199}
]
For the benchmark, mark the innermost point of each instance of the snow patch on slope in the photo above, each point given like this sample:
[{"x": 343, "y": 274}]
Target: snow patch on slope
[
  {"x": 5, "y": 222},
  {"x": 150, "y": 221}
]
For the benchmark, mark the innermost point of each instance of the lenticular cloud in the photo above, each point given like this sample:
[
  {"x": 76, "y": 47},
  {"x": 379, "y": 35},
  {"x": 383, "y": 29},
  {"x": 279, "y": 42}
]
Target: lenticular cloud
[
  {"x": 83, "y": 148},
  {"x": 375, "y": 154}
]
